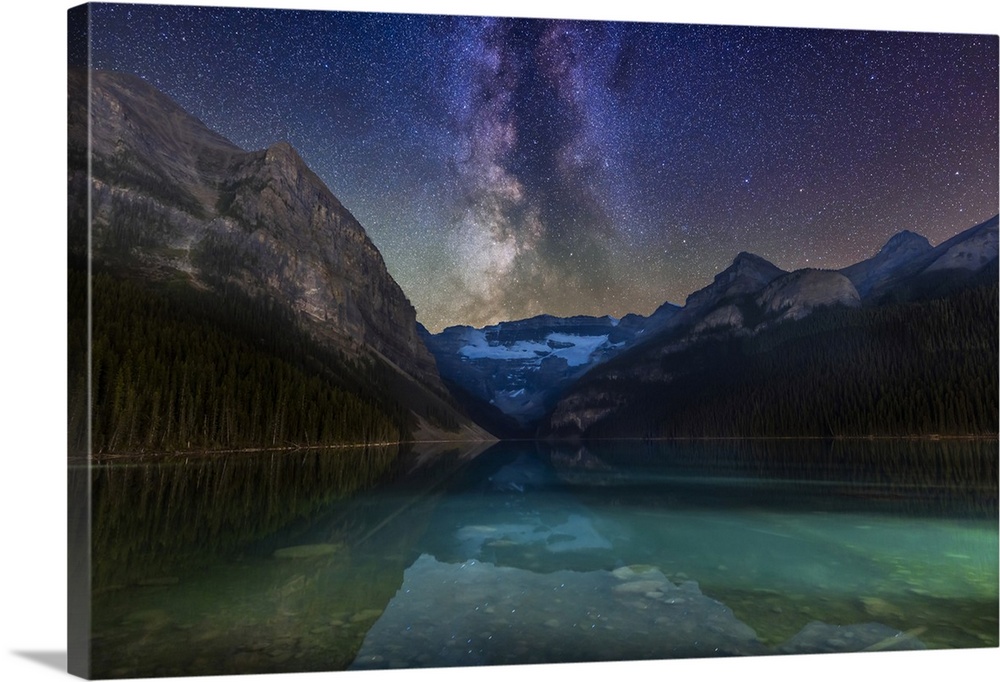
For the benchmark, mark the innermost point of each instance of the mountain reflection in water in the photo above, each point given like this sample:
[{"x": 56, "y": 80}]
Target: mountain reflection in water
[{"x": 326, "y": 560}]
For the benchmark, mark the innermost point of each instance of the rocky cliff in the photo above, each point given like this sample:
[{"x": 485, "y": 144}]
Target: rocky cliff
[
  {"x": 970, "y": 251},
  {"x": 797, "y": 294},
  {"x": 256, "y": 242},
  {"x": 173, "y": 200},
  {"x": 747, "y": 274}
]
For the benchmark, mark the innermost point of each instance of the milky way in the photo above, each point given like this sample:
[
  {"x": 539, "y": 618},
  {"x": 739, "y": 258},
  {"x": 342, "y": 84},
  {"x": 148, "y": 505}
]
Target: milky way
[{"x": 509, "y": 167}]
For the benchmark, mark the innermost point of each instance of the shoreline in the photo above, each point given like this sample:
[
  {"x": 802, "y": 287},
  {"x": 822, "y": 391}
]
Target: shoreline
[{"x": 207, "y": 452}]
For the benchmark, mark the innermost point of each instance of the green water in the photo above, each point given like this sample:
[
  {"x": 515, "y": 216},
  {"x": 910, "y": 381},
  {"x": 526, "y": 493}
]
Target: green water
[{"x": 525, "y": 553}]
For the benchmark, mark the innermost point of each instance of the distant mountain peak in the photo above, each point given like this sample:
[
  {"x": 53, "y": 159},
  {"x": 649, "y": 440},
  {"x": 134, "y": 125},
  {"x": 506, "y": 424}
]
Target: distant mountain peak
[
  {"x": 751, "y": 262},
  {"x": 905, "y": 240},
  {"x": 894, "y": 259},
  {"x": 519, "y": 367},
  {"x": 747, "y": 257},
  {"x": 666, "y": 308},
  {"x": 748, "y": 273}
]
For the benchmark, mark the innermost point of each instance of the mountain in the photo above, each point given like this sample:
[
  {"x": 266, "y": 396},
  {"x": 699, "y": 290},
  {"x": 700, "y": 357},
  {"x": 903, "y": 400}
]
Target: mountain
[
  {"x": 967, "y": 259},
  {"x": 971, "y": 250},
  {"x": 519, "y": 368},
  {"x": 747, "y": 274},
  {"x": 187, "y": 214},
  {"x": 722, "y": 304},
  {"x": 898, "y": 253},
  {"x": 766, "y": 353},
  {"x": 797, "y": 294},
  {"x": 646, "y": 327},
  {"x": 907, "y": 266}
]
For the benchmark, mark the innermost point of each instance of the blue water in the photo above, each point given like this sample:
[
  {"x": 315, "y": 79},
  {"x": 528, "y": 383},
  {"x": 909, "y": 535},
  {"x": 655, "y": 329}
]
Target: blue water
[{"x": 527, "y": 553}]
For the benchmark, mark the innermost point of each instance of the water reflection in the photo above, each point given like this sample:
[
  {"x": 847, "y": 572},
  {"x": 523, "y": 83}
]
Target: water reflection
[
  {"x": 786, "y": 534},
  {"x": 250, "y": 563},
  {"x": 530, "y": 553},
  {"x": 168, "y": 514}
]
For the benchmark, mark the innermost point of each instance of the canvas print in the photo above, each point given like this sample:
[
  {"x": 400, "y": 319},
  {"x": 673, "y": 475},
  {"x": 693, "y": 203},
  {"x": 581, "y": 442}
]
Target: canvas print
[{"x": 423, "y": 341}]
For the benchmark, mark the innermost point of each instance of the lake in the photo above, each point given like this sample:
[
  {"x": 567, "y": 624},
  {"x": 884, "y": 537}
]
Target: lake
[{"x": 526, "y": 552}]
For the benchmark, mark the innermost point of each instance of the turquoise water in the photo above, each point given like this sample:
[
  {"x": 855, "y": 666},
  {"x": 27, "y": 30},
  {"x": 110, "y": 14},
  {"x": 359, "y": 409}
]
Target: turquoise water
[{"x": 527, "y": 553}]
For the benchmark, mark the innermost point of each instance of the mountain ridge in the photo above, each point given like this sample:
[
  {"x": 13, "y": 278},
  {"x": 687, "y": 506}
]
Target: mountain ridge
[
  {"x": 748, "y": 297},
  {"x": 175, "y": 204},
  {"x": 907, "y": 255},
  {"x": 266, "y": 205},
  {"x": 678, "y": 365}
]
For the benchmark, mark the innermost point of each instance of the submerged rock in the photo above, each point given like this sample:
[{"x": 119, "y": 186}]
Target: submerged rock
[
  {"x": 517, "y": 623},
  {"x": 880, "y": 608},
  {"x": 632, "y": 571},
  {"x": 640, "y": 586},
  {"x": 821, "y": 638},
  {"x": 366, "y": 615}
]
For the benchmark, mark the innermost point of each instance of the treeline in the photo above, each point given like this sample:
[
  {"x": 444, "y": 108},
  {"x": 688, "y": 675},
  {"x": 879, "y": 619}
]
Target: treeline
[
  {"x": 175, "y": 369},
  {"x": 919, "y": 368}
]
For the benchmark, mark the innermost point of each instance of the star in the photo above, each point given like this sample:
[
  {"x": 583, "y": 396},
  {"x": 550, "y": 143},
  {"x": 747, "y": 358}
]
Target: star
[{"x": 506, "y": 167}]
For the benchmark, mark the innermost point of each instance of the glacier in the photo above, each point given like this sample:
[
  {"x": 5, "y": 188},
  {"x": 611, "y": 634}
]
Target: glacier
[{"x": 575, "y": 349}]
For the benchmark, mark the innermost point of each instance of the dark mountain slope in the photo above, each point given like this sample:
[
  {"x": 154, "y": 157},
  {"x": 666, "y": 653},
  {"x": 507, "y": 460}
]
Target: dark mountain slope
[
  {"x": 897, "y": 254},
  {"x": 908, "y": 267},
  {"x": 805, "y": 355},
  {"x": 186, "y": 215},
  {"x": 748, "y": 273},
  {"x": 171, "y": 197},
  {"x": 927, "y": 367}
]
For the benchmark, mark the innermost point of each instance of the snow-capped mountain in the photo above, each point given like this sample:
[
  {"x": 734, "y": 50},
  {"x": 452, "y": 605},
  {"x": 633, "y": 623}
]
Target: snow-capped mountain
[
  {"x": 521, "y": 367},
  {"x": 971, "y": 250},
  {"x": 525, "y": 370}
]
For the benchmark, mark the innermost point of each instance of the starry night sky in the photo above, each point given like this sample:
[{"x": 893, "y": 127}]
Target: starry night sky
[{"x": 510, "y": 167}]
